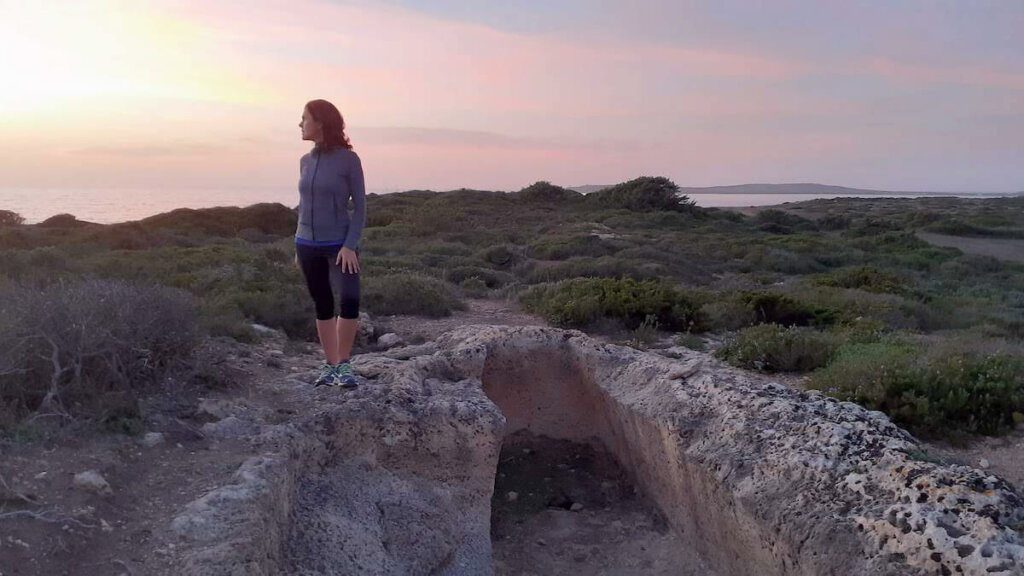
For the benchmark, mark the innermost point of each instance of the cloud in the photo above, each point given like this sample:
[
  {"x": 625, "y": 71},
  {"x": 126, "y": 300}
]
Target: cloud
[
  {"x": 148, "y": 150},
  {"x": 969, "y": 75}
]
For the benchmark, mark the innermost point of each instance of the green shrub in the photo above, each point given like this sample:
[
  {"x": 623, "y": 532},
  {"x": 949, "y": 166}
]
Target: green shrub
[
  {"x": 580, "y": 267},
  {"x": 774, "y": 348},
  {"x": 62, "y": 221},
  {"x": 409, "y": 294},
  {"x": 645, "y": 334},
  {"x": 583, "y": 302},
  {"x": 220, "y": 316},
  {"x": 642, "y": 195},
  {"x": 782, "y": 260},
  {"x": 473, "y": 287},
  {"x": 489, "y": 278},
  {"x": 957, "y": 392},
  {"x": 776, "y": 221},
  {"x": 773, "y": 308},
  {"x": 503, "y": 256},
  {"x": 546, "y": 192},
  {"x": 735, "y": 310},
  {"x": 867, "y": 278},
  {"x": 579, "y": 245},
  {"x": 287, "y": 307},
  {"x": 834, "y": 222}
]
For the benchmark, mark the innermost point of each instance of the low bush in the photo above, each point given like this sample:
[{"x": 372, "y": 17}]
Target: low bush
[
  {"x": 9, "y": 218},
  {"x": 567, "y": 247},
  {"x": 645, "y": 334},
  {"x": 409, "y": 294},
  {"x": 583, "y": 267},
  {"x": 490, "y": 278},
  {"x": 642, "y": 195},
  {"x": 287, "y": 307},
  {"x": 955, "y": 392},
  {"x": 546, "y": 192},
  {"x": 691, "y": 341},
  {"x": 583, "y": 302},
  {"x": 503, "y": 255},
  {"x": 766, "y": 307},
  {"x": 91, "y": 345},
  {"x": 775, "y": 348},
  {"x": 473, "y": 287},
  {"x": 867, "y": 278},
  {"x": 776, "y": 221}
]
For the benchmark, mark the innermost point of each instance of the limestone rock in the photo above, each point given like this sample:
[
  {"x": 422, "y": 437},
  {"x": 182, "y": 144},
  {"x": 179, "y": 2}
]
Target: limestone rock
[
  {"x": 264, "y": 330},
  {"x": 366, "y": 330},
  {"x": 230, "y": 427},
  {"x": 92, "y": 481},
  {"x": 397, "y": 477},
  {"x": 389, "y": 340},
  {"x": 151, "y": 439},
  {"x": 215, "y": 409}
]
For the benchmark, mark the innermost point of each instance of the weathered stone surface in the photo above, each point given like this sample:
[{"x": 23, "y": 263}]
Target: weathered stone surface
[
  {"x": 151, "y": 439},
  {"x": 92, "y": 481},
  {"x": 396, "y": 478},
  {"x": 230, "y": 427},
  {"x": 389, "y": 340}
]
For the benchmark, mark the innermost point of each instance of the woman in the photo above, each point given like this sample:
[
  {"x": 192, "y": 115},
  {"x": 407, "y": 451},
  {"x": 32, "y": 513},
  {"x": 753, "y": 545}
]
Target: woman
[{"x": 327, "y": 237}]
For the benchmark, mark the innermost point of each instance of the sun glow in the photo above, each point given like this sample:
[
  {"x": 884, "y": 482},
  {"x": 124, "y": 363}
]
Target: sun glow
[{"x": 71, "y": 53}]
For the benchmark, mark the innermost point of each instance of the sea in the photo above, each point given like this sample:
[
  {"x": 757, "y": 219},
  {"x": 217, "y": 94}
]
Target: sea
[{"x": 110, "y": 205}]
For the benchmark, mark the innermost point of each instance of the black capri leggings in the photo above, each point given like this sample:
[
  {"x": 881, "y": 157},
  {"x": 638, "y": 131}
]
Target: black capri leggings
[{"x": 324, "y": 277}]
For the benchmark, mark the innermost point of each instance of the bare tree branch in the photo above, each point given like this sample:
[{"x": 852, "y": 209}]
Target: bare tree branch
[{"x": 45, "y": 516}]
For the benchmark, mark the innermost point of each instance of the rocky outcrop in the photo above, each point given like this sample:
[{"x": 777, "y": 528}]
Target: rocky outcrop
[{"x": 396, "y": 477}]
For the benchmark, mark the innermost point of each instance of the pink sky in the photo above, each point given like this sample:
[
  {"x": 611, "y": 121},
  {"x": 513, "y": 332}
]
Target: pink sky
[{"x": 173, "y": 93}]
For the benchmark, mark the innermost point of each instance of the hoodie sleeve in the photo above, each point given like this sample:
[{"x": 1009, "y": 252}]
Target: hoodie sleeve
[{"x": 357, "y": 188}]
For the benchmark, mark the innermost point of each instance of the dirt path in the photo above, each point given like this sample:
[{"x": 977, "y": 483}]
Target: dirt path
[
  {"x": 479, "y": 311},
  {"x": 1001, "y": 248},
  {"x": 1003, "y": 455}
]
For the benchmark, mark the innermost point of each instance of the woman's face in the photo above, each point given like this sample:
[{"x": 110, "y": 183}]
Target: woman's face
[{"x": 311, "y": 129}]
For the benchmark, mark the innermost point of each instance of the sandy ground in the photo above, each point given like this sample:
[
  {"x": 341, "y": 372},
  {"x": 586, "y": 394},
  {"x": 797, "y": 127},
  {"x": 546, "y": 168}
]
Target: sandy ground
[
  {"x": 1003, "y": 455},
  {"x": 1001, "y": 248},
  {"x": 566, "y": 508}
]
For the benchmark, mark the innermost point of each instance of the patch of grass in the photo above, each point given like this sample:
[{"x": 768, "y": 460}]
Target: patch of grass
[
  {"x": 775, "y": 348},
  {"x": 645, "y": 334},
  {"x": 691, "y": 341}
]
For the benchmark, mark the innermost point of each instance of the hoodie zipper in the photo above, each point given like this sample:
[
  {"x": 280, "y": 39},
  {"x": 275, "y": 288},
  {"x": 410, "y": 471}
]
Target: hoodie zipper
[{"x": 312, "y": 198}]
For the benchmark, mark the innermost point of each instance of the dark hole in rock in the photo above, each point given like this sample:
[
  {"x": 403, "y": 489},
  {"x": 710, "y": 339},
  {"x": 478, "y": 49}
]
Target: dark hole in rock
[{"x": 564, "y": 507}]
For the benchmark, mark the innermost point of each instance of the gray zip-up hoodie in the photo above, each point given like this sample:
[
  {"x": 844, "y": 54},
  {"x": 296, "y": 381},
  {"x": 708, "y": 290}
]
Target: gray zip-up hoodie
[{"x": 327, "y": 179}]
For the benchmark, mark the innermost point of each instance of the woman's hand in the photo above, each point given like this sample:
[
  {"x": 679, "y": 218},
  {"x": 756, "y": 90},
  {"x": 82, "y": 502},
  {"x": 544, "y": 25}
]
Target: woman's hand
[{"x": 348, "y": 260}]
